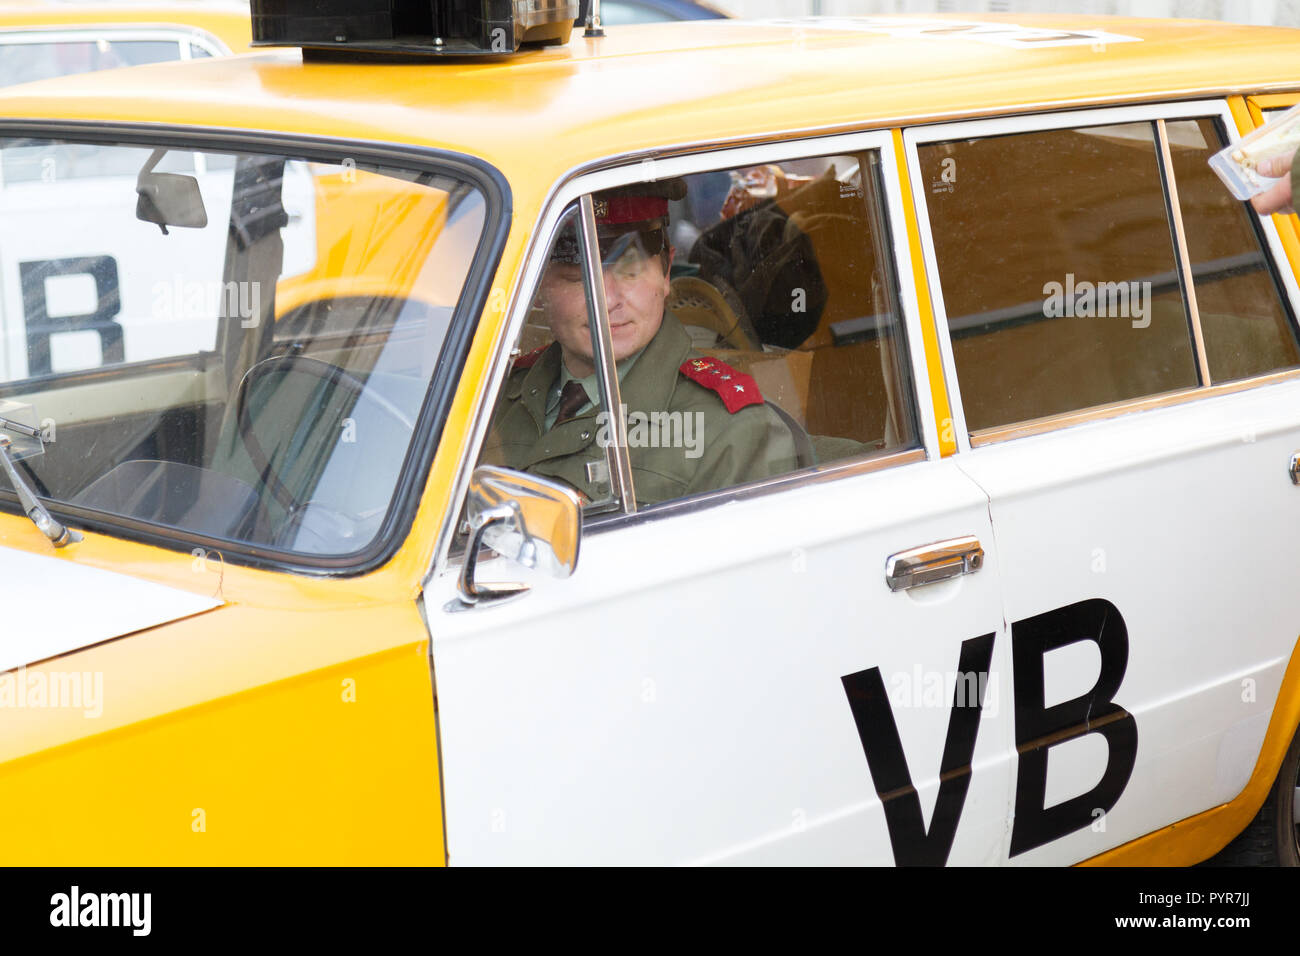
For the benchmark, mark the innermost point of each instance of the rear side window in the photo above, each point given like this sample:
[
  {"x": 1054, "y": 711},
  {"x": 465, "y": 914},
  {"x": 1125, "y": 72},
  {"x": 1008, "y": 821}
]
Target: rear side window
[
  {"x": 1061, "y": 274},
  {"x": 1027, "y": 228},
  {"x": 1243, "y": 314}
]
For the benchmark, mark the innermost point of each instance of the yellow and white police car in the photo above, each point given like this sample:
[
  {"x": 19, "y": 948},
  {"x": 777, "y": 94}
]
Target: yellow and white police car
[{"x": 929, "y": 497}]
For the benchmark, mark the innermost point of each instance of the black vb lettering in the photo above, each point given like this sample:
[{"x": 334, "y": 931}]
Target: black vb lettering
[
  {"x": 912, "y": 844},
  {"x": 1039, "y": 727}
]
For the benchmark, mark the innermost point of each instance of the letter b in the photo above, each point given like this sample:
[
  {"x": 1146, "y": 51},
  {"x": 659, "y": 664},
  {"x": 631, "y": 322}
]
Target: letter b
[{"x": 1095, "y": 712}]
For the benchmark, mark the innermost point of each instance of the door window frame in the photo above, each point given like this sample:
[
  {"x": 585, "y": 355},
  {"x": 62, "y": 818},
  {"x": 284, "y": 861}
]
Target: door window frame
[
  {"x": 631, "y": 168},
  {"x": 1217, "y": 109}
]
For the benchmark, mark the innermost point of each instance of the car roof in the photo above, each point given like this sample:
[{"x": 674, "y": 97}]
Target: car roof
[
  {"x": 546, "y": 111},
  {"x": 229, "y": 22}
]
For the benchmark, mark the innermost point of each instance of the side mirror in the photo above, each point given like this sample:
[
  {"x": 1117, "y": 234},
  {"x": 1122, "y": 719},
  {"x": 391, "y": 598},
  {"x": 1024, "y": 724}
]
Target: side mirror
[
  {"x": 533, "y": 521},
  {"x": 168, "y": 199}
]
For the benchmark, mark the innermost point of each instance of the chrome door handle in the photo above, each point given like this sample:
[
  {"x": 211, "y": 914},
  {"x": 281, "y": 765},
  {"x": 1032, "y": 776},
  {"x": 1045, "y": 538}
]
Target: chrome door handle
[
  {"x": 933, "y": 562},
  {"x": 1293, "y": 469}
]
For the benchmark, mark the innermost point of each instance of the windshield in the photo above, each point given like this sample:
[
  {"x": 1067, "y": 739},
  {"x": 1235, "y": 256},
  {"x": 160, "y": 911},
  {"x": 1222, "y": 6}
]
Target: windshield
[{"x": 233, "y": 346}]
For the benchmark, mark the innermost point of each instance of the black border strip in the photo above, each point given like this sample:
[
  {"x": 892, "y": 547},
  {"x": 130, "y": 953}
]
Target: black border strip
[{"x": 455, "y": 347}]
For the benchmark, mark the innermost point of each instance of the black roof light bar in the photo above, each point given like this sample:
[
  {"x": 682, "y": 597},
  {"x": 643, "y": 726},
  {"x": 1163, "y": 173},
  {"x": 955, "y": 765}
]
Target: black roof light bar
[{"x": 334, "y": 29}]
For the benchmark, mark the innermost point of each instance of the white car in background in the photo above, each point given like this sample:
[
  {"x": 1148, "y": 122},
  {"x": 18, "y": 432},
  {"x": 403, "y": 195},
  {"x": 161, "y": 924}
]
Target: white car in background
[
  {"x": 39, "y": 41},
  {"x": 68, "y": 307}
]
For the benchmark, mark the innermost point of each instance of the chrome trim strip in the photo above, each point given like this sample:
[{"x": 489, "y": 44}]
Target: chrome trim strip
[
  {"x": 756, "y": 489},
  {"x": 620, "y": 472},
  {"x": 1036, "y": 426},
  {"x": 1175, "y": 212}
]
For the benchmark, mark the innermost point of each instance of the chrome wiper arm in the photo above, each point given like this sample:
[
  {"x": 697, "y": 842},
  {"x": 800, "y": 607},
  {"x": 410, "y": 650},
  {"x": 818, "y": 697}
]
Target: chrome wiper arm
[
  {"x": 58, "y": 533},
  {"x": 10, "y": 425}
]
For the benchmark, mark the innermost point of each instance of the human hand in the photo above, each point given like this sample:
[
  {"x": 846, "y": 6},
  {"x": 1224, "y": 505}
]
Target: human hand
[{"x": 1277, "y": 198}]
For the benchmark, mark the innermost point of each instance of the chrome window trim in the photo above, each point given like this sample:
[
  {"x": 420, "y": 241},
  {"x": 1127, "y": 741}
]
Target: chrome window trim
[
  {"x": 1024, "y": 123},
  {"x": 1182, "y": 258},
  {"x": 818, "y": 474},
  {"x": 206, "y": 40},
  {"x": 1181, "y": 396},
  {"x": 620, "y": 464},
  {"x": 647, "y": 166}
]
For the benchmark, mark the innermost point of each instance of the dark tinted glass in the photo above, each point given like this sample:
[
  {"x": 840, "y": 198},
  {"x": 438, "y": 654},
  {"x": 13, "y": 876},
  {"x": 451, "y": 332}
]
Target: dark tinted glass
[{"x": 1058, "y": 271}]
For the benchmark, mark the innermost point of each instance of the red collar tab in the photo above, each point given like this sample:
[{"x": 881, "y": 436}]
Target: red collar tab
[
  {"x": 529, "y": 359},
  {"x": 736, "y": 389}
]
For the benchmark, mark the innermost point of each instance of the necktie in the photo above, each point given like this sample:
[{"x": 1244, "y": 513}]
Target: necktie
[{"x": 572, "y": 397}]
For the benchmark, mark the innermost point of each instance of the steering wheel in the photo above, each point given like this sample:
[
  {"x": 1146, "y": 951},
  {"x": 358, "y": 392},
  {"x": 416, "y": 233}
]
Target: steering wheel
[{"x": 334, "y": 377}]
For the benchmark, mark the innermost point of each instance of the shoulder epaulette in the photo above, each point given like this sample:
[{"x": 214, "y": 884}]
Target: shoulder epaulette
[
  {"x": 529, "y": 359},
  {"x": 736, "y": 389}
]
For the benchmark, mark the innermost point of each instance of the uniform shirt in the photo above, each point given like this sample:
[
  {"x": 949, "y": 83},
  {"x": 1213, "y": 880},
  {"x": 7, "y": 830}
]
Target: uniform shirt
[
  {"x": 699, "y": 446},
  {"x": 590, "y": 385}
]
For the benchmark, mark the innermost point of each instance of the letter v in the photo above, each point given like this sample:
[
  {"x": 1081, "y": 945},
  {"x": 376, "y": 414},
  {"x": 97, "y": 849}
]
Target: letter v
[{"x": 878, "y": 731}]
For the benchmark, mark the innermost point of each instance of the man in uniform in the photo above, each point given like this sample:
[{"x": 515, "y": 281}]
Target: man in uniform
[{"x": 694, "y": 423}]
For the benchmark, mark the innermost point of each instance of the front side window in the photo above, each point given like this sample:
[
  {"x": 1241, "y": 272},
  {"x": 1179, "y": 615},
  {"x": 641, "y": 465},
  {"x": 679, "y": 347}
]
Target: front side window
[
  {"x": 233, "y": 346},
  {"x": 752, "y": 315},
  {"x": 553, "y": 415}
]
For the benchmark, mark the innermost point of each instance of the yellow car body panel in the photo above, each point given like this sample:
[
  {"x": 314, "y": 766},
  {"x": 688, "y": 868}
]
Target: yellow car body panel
[
  {"x": 401, "y": 224},
  {"x": 181, "y": 767},
  {"x": 933, "y": 362},
  {"x": 1200, "y": 837},
  {"x": 594, "y": 98}
]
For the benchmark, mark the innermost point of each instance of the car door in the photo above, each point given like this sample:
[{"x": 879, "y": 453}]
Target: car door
[
  {"x": 1124, "y": 351},
  {"x": 728, "y": 678}
]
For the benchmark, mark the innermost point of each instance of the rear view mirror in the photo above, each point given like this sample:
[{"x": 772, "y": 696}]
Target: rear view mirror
[
  {"x": 168, "y": 199},
  {"x": 533, "y": 521}
]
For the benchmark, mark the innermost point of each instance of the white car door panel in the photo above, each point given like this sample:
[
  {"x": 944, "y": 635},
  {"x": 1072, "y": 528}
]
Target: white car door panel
[
  {"x": 1146, "y": 555},
  {"x": 682, "y": 698},
  {"x": 1179, "y": 518}
]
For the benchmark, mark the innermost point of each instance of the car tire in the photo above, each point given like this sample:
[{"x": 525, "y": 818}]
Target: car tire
[{"x": 1273, "y": 837}]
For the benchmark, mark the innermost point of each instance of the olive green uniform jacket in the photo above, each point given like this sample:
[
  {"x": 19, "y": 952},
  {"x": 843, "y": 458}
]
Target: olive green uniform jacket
[{"x": 705, "y": 447}]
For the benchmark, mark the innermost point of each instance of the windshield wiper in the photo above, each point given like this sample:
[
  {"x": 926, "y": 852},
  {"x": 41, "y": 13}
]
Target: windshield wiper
[{"x": 58, "y": 533}]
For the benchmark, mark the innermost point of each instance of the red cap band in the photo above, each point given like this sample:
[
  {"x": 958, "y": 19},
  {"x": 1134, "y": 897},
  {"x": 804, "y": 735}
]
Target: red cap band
[{"x": 622, "y": 209}]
